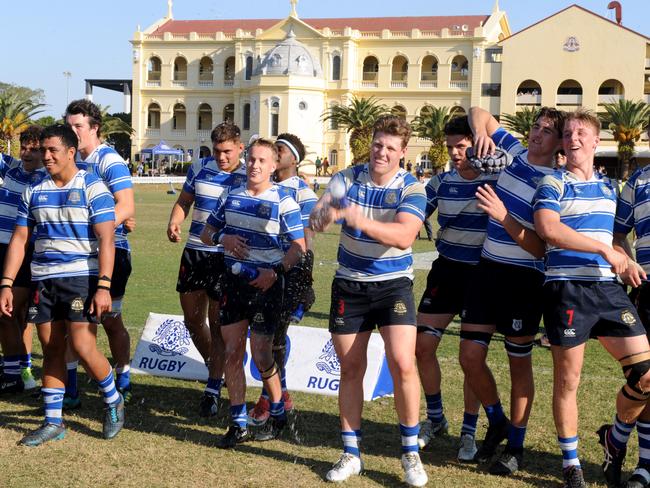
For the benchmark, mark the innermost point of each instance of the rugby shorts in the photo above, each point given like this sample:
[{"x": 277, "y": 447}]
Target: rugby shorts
[{"x": 66, "y": 298}]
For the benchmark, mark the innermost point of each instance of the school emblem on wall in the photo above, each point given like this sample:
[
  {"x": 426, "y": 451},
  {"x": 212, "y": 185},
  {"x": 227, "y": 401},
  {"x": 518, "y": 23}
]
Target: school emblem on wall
[{"x": 571, "y": 44}]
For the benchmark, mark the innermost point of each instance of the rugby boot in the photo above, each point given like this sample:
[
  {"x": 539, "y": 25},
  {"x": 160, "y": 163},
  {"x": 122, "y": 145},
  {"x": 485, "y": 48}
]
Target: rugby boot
[
  {"x": 573, "y": 477},
  {"x": 467, "y": 449},
  {"x": 271, "y": 429},
  {"x": 11, "y": 384},
  {"x": 640, "y": 478},
  {"x": 28, "y": 378},
  {"x": 235, "y": 435},
  {"x": 260, "y": 413},
  {"x": 508, "y": 462},
  {"x": 71, "y": 403},
  {"x": 113, "y": 418},
  {"x": 347, "y": 465},
  {"x": 614, "y": 458},
  {"x": 414, "y": 474},
  {"x": 430, "y": 429},
  {"x": 495, "y": 434},
  {"x": 209, "y": 406},
  {"x": 45, "y": 433}
]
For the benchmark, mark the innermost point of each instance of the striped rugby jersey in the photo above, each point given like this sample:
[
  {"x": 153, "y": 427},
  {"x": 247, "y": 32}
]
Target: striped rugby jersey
[
  {"x": 588, "y": 207},
  {"x": 105, "y": 163},
  {"x": 14, "y": 181},
  {"x": 515, "y": 187},
  {"x": 62, "y": 219},
  {"x": 360, "y": 257},
  {"x": 633, "y": 212},
  {"x": 304, "y": 197},
  {"x": 206, "y": 182},
  {"x": 263, "y": 220},
  {"x": 463, "y": 226}
]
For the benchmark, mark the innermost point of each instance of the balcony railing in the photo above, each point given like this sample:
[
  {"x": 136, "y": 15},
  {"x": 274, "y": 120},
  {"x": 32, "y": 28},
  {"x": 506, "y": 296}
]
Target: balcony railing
[
  {"x": 153, "y": 84},
  {"x": 178, "y": 132},
  {"x": 179, "y": 83},
  {"x": 369, "y": 84},
  {"x": 462, "y": 85},
  {"x": 152, "y": 133},
  {"x": 398, "y": 84},
  {"x": 228, "y": 82},
  {"x": 569, "y": 100},
  {"x": 206, "y": 83},
  {"x": 529, "y": 99},
  {"x": 428, "y": 84},
  {"x": 203, "y": 134},
  {"x": 612, "y": 98}
]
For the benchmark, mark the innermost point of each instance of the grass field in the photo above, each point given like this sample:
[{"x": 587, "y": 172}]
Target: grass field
[{"x": 166, "y": 444}]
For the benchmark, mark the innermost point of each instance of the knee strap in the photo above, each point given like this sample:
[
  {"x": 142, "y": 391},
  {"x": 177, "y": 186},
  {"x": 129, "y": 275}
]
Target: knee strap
[
  {"x": 515, "y": 350},
  {"x": 481, "y": 338},
  {"x": 634, "y": 368},
  {"x": 433, "y": 331},
  {"x": 270, "y": 372}
]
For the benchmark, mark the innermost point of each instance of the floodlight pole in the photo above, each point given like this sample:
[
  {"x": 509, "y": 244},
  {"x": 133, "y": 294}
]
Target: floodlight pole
[{"x": 67, "y": 75}]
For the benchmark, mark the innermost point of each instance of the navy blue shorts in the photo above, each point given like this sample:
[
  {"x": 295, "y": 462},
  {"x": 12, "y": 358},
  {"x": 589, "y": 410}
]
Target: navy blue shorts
[
  {"x": 62, "y": 299},
  {"x": 200, "y": 270},
  {"x": 24, "y": 277},
  {"x": 447, "y": 287}
]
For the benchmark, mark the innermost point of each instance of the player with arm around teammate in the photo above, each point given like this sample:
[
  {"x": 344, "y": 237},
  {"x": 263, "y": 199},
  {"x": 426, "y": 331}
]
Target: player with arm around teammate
[
  {"x": 72, "y": 214},
  {"x": 385, "y": 212}
]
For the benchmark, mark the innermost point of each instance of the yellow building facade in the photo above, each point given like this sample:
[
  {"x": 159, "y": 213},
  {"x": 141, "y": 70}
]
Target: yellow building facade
[{"x": 280, "y": 75}]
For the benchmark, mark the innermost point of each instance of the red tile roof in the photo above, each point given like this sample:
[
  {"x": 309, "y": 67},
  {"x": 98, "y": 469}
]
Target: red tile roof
[{"x": 366, "y": 24}]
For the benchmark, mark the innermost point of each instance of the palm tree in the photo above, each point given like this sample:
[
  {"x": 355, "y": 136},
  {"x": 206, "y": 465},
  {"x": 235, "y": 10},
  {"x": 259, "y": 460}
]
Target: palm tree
[
  {"x": 112, "y": 125},
  {"x": 358, "y": 119},
  {"x": 521, "y": 122},
  {"x": 626, "y": 119},
  {"x": 430, "y": 124},
  {"x": 16, "y": 112}
]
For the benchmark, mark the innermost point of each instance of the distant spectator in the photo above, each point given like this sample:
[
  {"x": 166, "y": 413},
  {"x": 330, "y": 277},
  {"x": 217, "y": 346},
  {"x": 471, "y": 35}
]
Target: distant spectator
[
  {"x": 419, "y": 171},
  {"x": 318, "y": 164},
  {"x": 401, "y": 163},
  {"x": 326, "y": 165},
  {"x": 140, "y": 169},
  {"x": 409, "y": 166}
]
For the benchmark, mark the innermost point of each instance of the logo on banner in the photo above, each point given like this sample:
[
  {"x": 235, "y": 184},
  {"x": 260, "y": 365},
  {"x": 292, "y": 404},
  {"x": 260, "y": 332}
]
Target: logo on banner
[
  {"x": 171, "y": 339},
  {"x": 328, "y": 361}
]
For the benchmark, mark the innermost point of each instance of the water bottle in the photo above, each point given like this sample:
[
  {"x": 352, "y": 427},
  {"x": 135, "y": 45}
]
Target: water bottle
[
  {"x": 337, "y": 192},
  {"x": 249, "y": 273},
  {"x": 297, "y": 314}
]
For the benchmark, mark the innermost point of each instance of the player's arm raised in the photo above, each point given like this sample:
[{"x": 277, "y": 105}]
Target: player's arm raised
[{"x": 483, "y": 125}]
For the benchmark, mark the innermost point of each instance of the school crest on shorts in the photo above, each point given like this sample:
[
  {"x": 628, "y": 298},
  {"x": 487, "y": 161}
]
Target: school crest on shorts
[
  {"x": 171, "y": 339},
  {"x": 517, "y": 324},
  {"x": 328, "y": 361},
  {"x": 628, "y": 318},
  {"x": 259, "y": 318},
  {"x": 77, "y": 305},
  {"x": 74, "y": 196},
  {"x": 400, "y": 308}
]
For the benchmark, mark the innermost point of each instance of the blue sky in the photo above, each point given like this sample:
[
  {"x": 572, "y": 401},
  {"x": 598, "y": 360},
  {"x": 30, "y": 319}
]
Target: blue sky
[{"x": 43, "y": 38}]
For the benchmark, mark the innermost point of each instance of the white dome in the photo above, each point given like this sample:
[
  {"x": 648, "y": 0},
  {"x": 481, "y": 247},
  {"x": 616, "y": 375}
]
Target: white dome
[{"x": 290, "y": 57}]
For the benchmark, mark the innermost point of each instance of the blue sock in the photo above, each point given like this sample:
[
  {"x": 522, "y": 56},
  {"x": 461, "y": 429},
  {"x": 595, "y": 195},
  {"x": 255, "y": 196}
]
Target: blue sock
[
  {"x": 25, "y": 361},
  {"x": 53, "y": 402},
  {"x": 277, "y": 410},
  {"x": 409, "y": 438},
  {"x": 213, "y": 388},
  {"x": 71, "y": 383},
  {"x": 569, "y": 447},
  {"x": 620, "y": 433},
  {"x": 12, "y": 367},
  {"x": 123, "y": 379},
  {"x": 264, "y": 394},
  {"x": 516, "y": 436},
  {"x": 108, "y": 389},
  {"x": 238, "y": 415},
  {"x": 469, "y": 424},
  {"x": 494, "y": 413},
  {"x": 434, "y": 407},
  {"x": 643, "y": 429},
  {"x": 283, "y": 379},
  {"x": 351, "y": 440}
]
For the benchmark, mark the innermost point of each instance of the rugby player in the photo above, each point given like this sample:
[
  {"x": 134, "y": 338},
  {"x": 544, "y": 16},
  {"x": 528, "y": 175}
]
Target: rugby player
[
  {"x": 574, "y": 214},
  {"x": 15, "y": 333},
  {"x": 383, "y": 218},
  {"x": 506, "y": 290},
  {"x": 263, "y": 215},
  {"x": 72, "y": 214},
  {"x": 202, "y": 265},
  {"x": 459, "y": 243},
  {"x": 298, "y": 293},
  {"x": 103, "y": 161},
  {"x": 632, "y": 210}
]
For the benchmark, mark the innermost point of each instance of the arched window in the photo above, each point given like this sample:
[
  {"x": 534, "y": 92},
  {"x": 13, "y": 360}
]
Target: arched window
[
  {"x": 180, "y": 69},
  {"x": 229, "y": 113},
  {"x": 459, "y": 72},
  {"x": 229, "y": 71},
  {"x": 336, "y": 68},
  {"x": 400, "y": 71},
  {"x": 429, "y": 74},
  {"x": 399, "y": 111},
  {"x": 205, "y": 117},
  {"x": 206, "y": 70},
  {"x": 249, "y": 67},
  {"x": 569, "y": 93},
  {"x": 179, "y": 117},
  {"x": 246, "y": 122},
  {"x": 153, "y": 69},
  {"x": 153, "y": 116},
  {"x": 529, "y": 93},
  {"x": 611, "y": 91},
  {"x": 334, "y": 158},
  {"x": 371, "y": 69},
  {"x": 424, "y": 160},
  {"x": 426, "y": 110},
  {"x": 457, "y": 111},
  {"x": 275, "y": 117}
]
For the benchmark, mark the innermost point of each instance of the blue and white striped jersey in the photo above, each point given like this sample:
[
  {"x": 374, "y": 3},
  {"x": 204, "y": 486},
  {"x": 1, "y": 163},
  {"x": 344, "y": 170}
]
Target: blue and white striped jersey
[
  {"x": 263, "y": 220},
  {"x": 14, "y": 181},
  {"x": 360, "y": 257},
  {"x": 105, "y": 163},
  {"x": 303, "y": 195},
  {"x": 463, "y": 226},
  {"x": 588, "y": 207},
  {"x": 206, "y": 182},
  {"x": 515, "y": 187},
  {"x": 63, "y": 220},
  {"x": 633, "y": 212}
]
